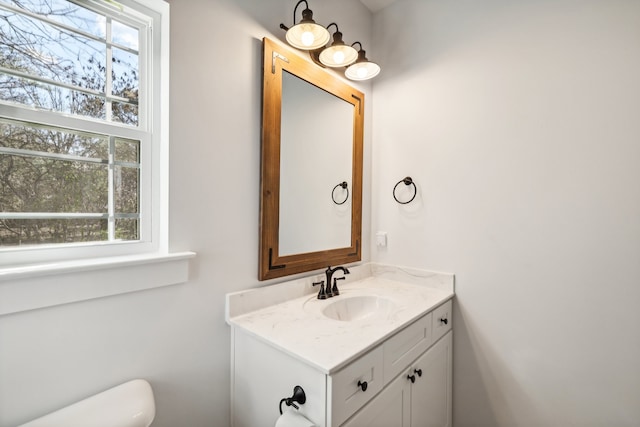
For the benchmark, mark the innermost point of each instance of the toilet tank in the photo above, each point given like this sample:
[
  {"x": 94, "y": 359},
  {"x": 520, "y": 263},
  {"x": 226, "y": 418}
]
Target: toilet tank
[{"x": 128, "y": 405}]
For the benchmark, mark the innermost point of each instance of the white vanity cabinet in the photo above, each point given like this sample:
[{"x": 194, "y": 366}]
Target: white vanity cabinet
[
  {"x": 425, "y": 401},
  {"x": 374, "y": 389}
]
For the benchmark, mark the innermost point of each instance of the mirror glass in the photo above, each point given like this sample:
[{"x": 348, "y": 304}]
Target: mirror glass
[
  {"x": 315, "y": 158},
  {"x": 311, "y": 170}
]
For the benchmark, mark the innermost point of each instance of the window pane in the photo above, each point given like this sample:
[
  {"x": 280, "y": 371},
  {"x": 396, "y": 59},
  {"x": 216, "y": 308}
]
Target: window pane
[
  {"x": 127, "y": 150},
  {"x": 126, "y": 189},
  {"x": 51, "y": 140},
  {"x": 66, "y": 13},
  {"x": 16, "y": 232},
  {"x": 35, "y": 184},
  {"x": 124, "y": 113},
  {"x": 41, "y": 49},
  {"x": 124, "y": 35},
  {"x": 53, "y": 175},
  {"x": 127, "y": 229},
  {"x": 126, "y": 85},
  {"x": 49, "y": 97},
  {"x": 125, "y": 74},
  {"x": 49, "y": 61}
]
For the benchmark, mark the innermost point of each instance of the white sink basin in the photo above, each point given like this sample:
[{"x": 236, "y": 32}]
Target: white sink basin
[{"x": 358, "y": 307}]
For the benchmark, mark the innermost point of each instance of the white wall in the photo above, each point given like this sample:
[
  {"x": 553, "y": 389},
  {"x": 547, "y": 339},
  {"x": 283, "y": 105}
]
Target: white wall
[
  {"x": 520, "y": 123},
  {"x": 176, "y": 336}
]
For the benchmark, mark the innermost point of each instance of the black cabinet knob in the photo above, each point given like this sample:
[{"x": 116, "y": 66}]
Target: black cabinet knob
[
  {"x": 444, "y": 320},
  {"x": 363, "y": 385},
  {"x": 412, "y": 378},
  {"x": 418, "y": 371}
]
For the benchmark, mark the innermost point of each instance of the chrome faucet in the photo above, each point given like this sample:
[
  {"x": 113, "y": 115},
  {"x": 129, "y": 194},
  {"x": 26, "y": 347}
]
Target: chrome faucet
[{"x": 331, "y": 291}]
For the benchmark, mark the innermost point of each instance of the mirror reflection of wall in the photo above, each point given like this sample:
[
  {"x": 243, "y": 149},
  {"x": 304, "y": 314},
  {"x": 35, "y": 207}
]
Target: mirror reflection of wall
[{"x": 316, "y": 155}]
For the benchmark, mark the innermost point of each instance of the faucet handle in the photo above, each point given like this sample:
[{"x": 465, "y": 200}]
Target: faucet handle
[
  {"x": 335, "y": 290},
  {"x": 322, "y": 294}
]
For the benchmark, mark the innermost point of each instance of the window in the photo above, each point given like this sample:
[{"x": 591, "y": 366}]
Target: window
[{"x": 83, "y": 116}]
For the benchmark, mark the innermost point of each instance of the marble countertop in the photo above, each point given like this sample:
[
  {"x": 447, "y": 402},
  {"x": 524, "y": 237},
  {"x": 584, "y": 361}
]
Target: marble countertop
[{"x": 298, "y": 327}]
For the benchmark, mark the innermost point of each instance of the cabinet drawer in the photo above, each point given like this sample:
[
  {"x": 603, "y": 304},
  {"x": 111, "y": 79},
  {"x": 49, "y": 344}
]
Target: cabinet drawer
[
  {"x": 346, "y": 395},
  {"x": 404, "y": 347},
  {"x": 442, "y": 318}
]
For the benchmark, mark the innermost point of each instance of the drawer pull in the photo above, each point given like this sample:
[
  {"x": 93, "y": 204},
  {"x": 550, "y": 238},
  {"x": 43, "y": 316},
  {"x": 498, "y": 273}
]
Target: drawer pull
[
  {"x": 418, "y": 371},
  {"x": 444, "y": 320},
  {"x": 363, "y": 385},
  {"x": 412, "y": 378}
]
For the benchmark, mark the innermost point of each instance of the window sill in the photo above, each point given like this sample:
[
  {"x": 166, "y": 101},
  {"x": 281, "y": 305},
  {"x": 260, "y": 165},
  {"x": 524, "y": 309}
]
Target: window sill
[{"x": 45, "y": 285}]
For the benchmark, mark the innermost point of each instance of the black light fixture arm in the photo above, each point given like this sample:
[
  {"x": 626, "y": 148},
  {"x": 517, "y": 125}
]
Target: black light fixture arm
[
  {"x": 337, "y": 36},
  {"x": 334, "y": 24},
  {"x": 295, "y": 9},
  {"x": 357, "y": 43}
]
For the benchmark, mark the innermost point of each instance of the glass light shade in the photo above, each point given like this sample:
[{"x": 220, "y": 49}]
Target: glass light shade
[
  {"x": 338, "y": 56},
  {"x": 362, "y": 70},
  {"x": 307, "y": 36}
]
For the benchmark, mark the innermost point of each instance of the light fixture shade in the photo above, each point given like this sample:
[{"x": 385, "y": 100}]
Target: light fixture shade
[
  {"x": 338, "y": 54},
  {"x": 307, "y": 35},
  {"x": 363, "y": 69}
]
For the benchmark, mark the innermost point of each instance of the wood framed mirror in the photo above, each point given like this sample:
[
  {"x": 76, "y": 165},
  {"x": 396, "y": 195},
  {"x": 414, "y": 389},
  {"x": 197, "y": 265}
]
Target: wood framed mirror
[{"x": 311, "y": 166}]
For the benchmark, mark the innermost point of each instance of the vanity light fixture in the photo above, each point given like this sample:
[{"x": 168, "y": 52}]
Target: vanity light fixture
[
  {"x": 338, "y": 54},
  {"x": 362, "y": 69},
  {"x": 306, "y": 35}
]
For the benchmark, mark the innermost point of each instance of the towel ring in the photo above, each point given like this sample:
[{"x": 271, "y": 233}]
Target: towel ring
[
  {"x": 344, "y": 185},
  {"x": 407, "y": 181}
]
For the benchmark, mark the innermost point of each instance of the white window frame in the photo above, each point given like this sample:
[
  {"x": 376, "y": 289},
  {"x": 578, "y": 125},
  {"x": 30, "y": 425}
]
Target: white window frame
[{"x": 42, "y": 265}]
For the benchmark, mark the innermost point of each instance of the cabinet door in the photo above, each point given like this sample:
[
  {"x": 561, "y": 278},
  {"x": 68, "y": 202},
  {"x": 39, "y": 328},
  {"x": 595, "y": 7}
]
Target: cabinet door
[
  {"x": 391, "y": 408},
  {"x": 431, "y": 393}
]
